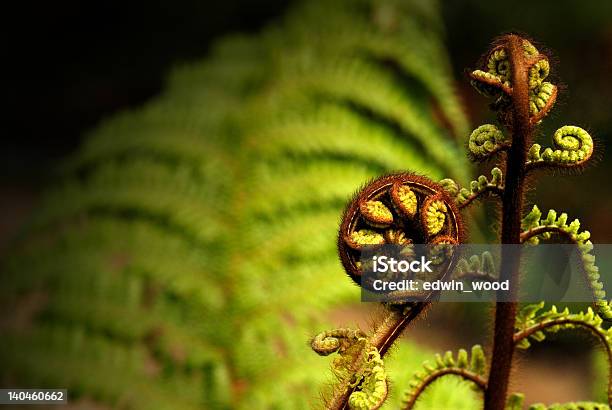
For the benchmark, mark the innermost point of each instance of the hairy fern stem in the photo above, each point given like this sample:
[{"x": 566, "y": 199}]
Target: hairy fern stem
[{"x": 512, "y": 209}]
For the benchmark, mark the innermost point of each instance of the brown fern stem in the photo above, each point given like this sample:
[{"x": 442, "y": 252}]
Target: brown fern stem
[
  {"x": 512, "y": 207},
  {"x": 393, "y": 325}
]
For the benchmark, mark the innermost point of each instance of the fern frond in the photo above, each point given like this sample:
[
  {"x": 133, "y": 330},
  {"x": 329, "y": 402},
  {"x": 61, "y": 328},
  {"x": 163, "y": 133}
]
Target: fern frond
[
  {"x": 472, "y": 370},
  {"x": 573, "y": 148},
  {"x": 298, "y": 187},
  {"x": 486, "y": 141},
  {"x": 535, "y": 228},
  {"x": 478, "y": 267},
  {"x": 71, "y": 353},
  {"x": 170, "y": 196},
  {"x": 331, "y": 130},
  {"x": 531, "y": 324},
  {"x": 478, "y": 189},
  {"x": 379, "y": 96}
]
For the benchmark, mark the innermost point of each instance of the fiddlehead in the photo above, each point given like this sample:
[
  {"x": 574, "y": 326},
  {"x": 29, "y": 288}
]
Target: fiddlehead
[
  {"x": 495, "y": 81},
  {"x": 573, "y": 147},
  {"x": 538, "y": 72},
  {"x": 485, "y": 141},
  {"x": 535, "y": 229},
  {"x": 472, "y": 371},
  {"x": 433, "y": 215},
  {"x": 489, "y": 85},
  {"x": 495, "y": 77},
  {"x": 498, "y": 65},
  {"x": 541, "y": 99},
  {"x": 331, "y": 341},
  {"x": 396, "y": 209},
  {"x": 533, "y": 325}
]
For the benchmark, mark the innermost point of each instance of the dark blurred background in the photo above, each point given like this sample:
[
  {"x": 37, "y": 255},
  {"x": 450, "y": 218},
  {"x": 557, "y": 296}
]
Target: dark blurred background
[{"x": 74, "y": 63}]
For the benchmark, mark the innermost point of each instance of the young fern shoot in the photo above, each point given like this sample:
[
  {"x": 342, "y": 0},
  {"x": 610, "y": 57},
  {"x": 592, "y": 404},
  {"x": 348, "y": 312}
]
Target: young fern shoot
[{"x": 405, "y": 209}]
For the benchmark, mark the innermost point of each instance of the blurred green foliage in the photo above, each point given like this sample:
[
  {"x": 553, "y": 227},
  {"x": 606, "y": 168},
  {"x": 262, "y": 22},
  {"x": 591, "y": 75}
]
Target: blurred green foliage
[{"x": 188, "y": 252}]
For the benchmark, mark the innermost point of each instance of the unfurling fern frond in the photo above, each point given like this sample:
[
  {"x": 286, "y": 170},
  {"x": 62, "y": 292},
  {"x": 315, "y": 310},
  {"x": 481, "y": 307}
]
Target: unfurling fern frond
[
  {"x": 478, "y": 189},
  {"x": 471, "y": 369},
  {"x": 573, "y": 147},
  {"x": 532, "y": 324},
  {"x": 487, "y": 140},
  {"x": 535, "y": 229}
]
